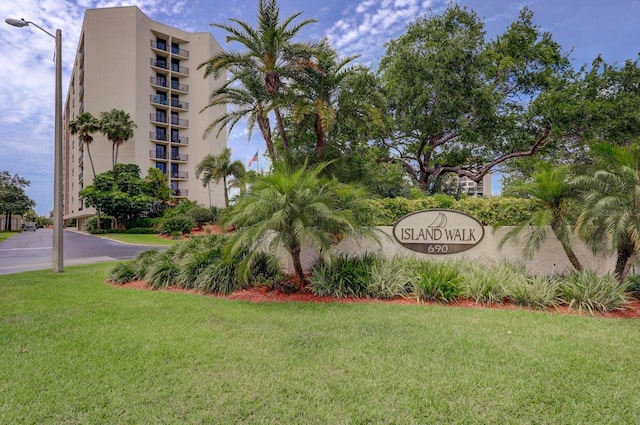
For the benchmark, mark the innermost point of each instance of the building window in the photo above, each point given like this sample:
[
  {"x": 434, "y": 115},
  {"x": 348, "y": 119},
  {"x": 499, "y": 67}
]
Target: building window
[
  {"x": 175, "y": 135},
  {"x": 161, "y": 44},
  {"x": 162, "y": 167},
  {"x": 161, "y": 133},
  {"x": 161, "y": 62},
  {"x": 175, "y": 48}
]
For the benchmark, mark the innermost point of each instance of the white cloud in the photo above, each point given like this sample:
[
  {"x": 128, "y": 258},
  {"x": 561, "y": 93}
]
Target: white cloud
[{"x": 371, "y": 23}]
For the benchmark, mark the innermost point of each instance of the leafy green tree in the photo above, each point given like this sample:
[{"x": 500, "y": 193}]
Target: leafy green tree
[
  {"x": 118, "y": 127},
  {"x": 551, "y": 187},
  {"x": 270, "y": 58},
  {"x": 610, "y": 213},
  {"x": 295, "y": 208},
  {"x": 13, "y": 199},
  {"x": 120, "y": 193},
  {"x": 219, "y": 167},
  {"x": 85, "y": 125},
  {"x": 462, "y": 105}
]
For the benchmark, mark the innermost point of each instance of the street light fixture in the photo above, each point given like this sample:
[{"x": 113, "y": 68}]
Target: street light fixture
[{"x": 57, "y": 261}]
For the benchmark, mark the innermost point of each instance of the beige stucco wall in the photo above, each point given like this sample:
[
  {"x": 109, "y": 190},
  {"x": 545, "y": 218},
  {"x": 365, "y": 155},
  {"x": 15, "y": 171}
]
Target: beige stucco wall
[{"x": 550, "y": 259}]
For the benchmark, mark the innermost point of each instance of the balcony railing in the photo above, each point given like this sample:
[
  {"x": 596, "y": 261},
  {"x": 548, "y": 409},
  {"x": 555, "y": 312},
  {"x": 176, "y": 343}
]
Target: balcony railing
[
  {"x": 81, "y": 158},
  {"x": 180, "y": 193},
  {"x": 183, "y": 175},
  {"x": 160, "y": 46},
  {"x": 162, "y": 82},
  {"x": 180, "y": 87},
  {"x": 158, "y": 99},
  {"x": 158, "y": 155},
  {"x": 182, "y": 140},
  {"x": 176, "y": 103},
  {"x": 179, "y": 69},
  {"x": 159, "y": 63},
  {"x": 179, "y": 122},
  {"x": 180, "y": 157},
  {"x": 158, "y": 136},
  {"x": 179, "y": 51},
  {"x": 80, "y": 175},
  {"x": 158, "y": 117}
]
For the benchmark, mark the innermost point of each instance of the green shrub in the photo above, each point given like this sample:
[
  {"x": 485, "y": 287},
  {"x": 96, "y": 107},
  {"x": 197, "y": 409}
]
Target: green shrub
[
  {"x": 176, "y": 224},
  {"x": 586, "y": 290},
  {"x": 535, "y": 292},
  {"x": 391, "y": 278},
  {"x": 200, "y": 215},
  {"x": 123, "y": 272},
  {"x": 105, "y": 223},
  {"x": 194, "y": 264},
  {"x": 435, "y": 281},
  {"x": 143, "y": 261},
  {"x": 162, "y": 273},
  {"x": 633, "y": 285},
  {"x": 219, "y": 278},
  {"x": 145, "y": 222},
  {"x": 343, "y": 277},
  {"x": 489, "y": 284}
]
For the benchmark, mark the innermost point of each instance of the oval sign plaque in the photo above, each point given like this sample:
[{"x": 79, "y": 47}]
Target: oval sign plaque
[{"x": 438, "y": 231}]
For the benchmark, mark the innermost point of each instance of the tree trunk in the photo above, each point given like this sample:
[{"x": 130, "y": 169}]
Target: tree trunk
[
  {"x": 209, "y": 190},
  {"x": 285, "y": 142},
  {"x": 319, "y": 137},
  {"x": 93, "y": 169},
  {"x": 297, "y": 264},
  {"x": 265, "y": 129},
  {"x": 623, "y": 264},
  {"x": 573, "y": 259},
  {"x": 226, "y": 193}
]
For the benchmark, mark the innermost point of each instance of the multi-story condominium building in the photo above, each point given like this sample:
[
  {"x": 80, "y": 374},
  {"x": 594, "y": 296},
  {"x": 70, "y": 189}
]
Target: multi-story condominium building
[
  {"x": 482, "y": 188},
  {"x": 126, "y": 61}
]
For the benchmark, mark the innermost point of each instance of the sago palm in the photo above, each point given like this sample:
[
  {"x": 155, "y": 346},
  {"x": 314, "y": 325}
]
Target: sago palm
[
  {"x": 85, "y": 125},
  {"x": 550, "y": 186},
  {"x": 270, "y": 54},
  {"x": 610, "y": 211},
  {"x": 294, "y": 208}
]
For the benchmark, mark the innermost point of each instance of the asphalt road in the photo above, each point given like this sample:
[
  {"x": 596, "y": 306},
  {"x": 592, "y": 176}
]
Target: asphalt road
[{"x": 33, "y": 250}]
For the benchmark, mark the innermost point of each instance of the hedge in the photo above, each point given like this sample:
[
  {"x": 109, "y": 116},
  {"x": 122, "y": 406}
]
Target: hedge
[{"x": 490, "y": 211}]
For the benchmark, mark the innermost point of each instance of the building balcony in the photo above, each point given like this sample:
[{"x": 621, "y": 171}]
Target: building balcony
[
  {"x": 159, "y": 82},
  {"x": 179, "y": 193},
  {"x": 176, "y": 122},
  {"x": 153, "y": 154},
  {"x": 158, "y": 137},
  {"x": 179, "y": 69},
  {"x": 179, "y": 52},
  {"x": 81, "y": 158},
  {"x": 176, "y": 103},
  {"x": 182, "y": 140},
  {"x": 158, "y": 118},
  {"x": 158, "y": 99},
  {"x": 161, "y": 46},
  {"x": 80, "y": 175},
  {"x": 180, "y": 158},
  {"x": 159, "y": 64},
  {"x": 179, "y": 175},
  {"x": 176, "y": 86}
]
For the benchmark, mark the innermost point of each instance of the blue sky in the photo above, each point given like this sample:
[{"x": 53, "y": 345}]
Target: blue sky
[{"x": 584, "y": 27}]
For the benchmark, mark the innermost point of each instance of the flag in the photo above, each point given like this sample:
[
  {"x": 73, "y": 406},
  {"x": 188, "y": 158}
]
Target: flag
[{"x": 253, "y": 159}]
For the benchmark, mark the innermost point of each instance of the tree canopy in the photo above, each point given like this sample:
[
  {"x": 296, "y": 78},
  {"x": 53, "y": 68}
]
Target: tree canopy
[{"x": 13, "y": 199}]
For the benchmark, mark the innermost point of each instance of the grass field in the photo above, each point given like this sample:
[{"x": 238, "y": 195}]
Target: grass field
[
  {"x": 6, "y": 235},
  {"x": 140, "y": 239},
  {"x": 74, "y": 350}
]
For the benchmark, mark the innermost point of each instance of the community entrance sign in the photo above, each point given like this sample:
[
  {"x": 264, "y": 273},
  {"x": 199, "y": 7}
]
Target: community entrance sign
[{"x": 438, "y": 231}]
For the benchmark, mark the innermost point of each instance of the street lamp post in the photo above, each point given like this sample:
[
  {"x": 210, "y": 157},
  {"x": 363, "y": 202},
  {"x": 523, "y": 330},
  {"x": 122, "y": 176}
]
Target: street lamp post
[{"x": 57, "y": 261}]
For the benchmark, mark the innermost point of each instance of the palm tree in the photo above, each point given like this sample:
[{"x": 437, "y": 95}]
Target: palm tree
[
  {"x": 318, "y": 90},
  {"x": 270, "y": 55},
  {"x": 291, "y": 208},
  {"x": 219, "y": 167},
  {"x": 550, "y": 186},
  {"x": 85, "y": 125},
  {"x": 118, "y": 127},
  {"x": 611, "y": 204},
  {"x": 248, "y": 100}
]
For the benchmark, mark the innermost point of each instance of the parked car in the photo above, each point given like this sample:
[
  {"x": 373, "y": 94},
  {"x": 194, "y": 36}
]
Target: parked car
[{"x": 30, "y": 225}]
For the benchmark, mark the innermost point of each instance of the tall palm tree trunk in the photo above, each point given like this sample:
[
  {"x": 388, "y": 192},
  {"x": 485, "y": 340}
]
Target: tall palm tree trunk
[
  {"x": 226, "y": 192},
  {"x": 285, "y": 141},
  {"x": 623, "y": 263},
  {"x": 294, "y": 251}
]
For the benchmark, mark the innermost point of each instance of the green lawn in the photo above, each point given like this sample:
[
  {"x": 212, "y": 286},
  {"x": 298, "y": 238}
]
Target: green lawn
[
  {"x": 140, "y": 239},
  {"x": 74, "y": 350},
  {"x": 4, "y": 235}
]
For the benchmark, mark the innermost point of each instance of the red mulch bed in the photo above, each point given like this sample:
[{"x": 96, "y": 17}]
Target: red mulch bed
[{"x": 264, "y": 294}]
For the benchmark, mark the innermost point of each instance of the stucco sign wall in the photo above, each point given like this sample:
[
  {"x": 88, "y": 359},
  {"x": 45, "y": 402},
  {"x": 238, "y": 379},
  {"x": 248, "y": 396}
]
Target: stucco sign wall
[{"x": 438, "y": 231}]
